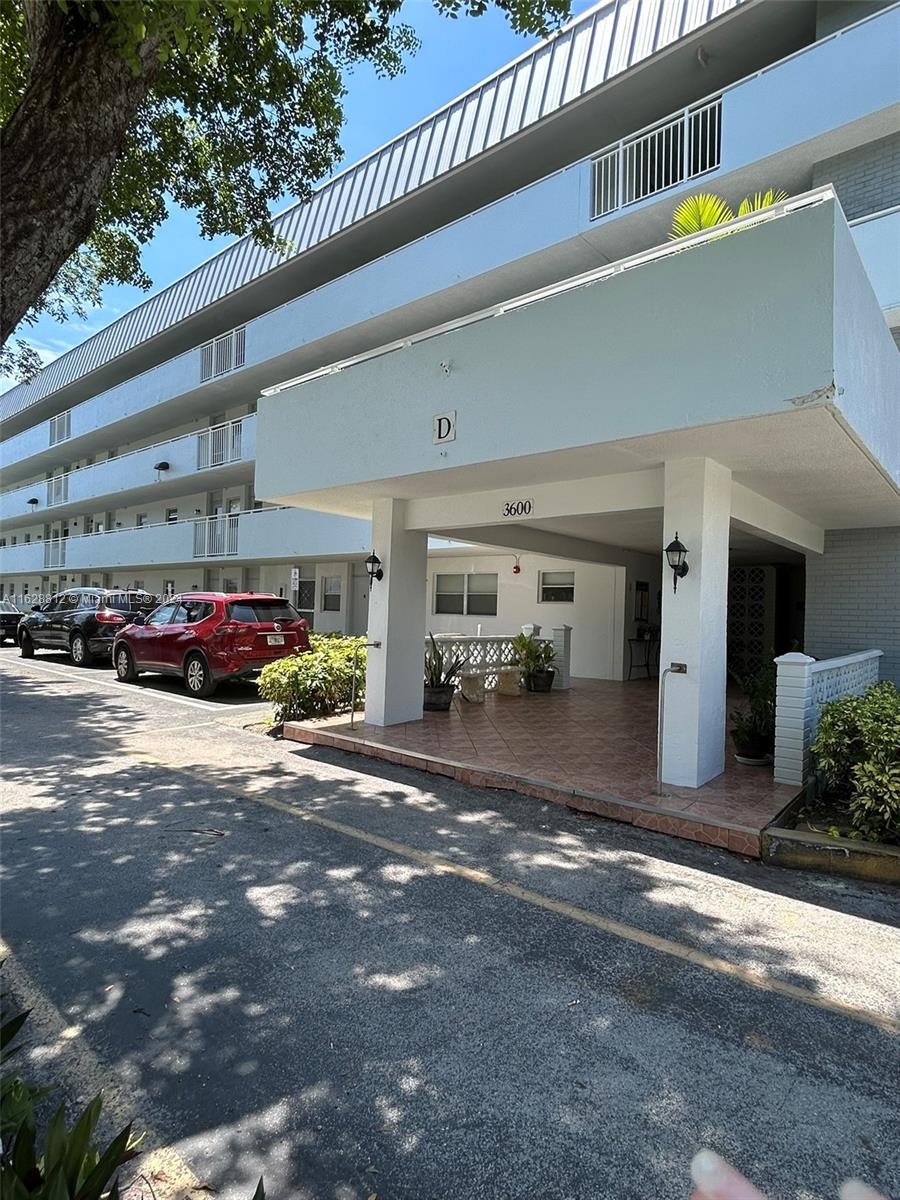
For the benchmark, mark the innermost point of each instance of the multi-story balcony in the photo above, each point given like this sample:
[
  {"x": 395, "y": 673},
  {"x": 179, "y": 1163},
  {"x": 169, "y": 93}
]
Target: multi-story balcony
[
  {"x": 209, "y": 458},
  {"x": 769, "y": 129},
  {"x": 258, "y": 535}
]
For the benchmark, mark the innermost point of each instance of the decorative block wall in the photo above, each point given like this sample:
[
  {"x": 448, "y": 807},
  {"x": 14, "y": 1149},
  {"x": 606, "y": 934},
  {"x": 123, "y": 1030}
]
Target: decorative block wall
[{"x": 866, "y": 179}]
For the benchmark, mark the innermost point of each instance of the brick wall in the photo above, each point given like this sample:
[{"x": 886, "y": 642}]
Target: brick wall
[
  {"x": 866, "y": 179},
  {"x": 853, "y": 596}
]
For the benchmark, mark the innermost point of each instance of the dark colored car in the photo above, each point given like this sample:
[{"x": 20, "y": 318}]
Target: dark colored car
[
  {"x": 83, "y": 621},
  {"x": 206, "y": 637},
  {"x": 9, "y": 620}
]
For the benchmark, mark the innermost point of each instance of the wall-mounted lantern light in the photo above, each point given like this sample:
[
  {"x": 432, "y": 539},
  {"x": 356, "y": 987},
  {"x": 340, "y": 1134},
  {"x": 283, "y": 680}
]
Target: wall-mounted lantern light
[
  {"x": 373, "y": 566},
  {"x": 159, "y": 467},
  {"x": 33, "y": 502},
  {"x": 676, "y": 553}
]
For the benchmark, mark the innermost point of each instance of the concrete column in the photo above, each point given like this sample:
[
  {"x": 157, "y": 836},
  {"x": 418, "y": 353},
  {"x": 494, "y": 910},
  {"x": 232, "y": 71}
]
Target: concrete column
[
  {"x": 793, "y": 718},
  {"x": 697, "y": 506},
  {"x": 395, "y": 671}
]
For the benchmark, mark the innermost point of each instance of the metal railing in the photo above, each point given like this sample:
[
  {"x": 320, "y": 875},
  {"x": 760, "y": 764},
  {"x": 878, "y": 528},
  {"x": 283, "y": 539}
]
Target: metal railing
[
  {"x": 216, "y": 537},
  {"x": 219, "y": 445},
  {"x": 682, "y": 147},
  {"x": 223, "y": 354},
  {"x": 57, "y": 489},
  {"x": 55, "y": 552},
  {"x": 60, "y": 427}
]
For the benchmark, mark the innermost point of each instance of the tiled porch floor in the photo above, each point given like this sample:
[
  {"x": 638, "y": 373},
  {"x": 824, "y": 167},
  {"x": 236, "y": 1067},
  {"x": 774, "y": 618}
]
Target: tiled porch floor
[{"x": 593, "y": 747}]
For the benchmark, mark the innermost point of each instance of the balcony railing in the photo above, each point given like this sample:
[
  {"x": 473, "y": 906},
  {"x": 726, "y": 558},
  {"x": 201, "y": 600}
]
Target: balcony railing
[
  {"x": 57, "y": 489},
  {"x": 216, "y": 537},
  {"x": 219, "y": 445},
  {"x": 223, "y": 354},
  {"x": 683, "y": 147},
  {"x": 60, "y": 427},
  {"x": 55, "y": 553}
]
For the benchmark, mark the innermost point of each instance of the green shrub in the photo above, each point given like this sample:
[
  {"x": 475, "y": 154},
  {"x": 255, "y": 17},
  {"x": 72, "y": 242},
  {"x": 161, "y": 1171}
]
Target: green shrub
[
  {"x": 857, "y": 749},
  {"x": 316, "y": 684},
  {"x": 64, "y": 1164}
]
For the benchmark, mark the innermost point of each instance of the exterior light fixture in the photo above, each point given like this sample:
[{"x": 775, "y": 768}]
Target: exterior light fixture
[
  {"x": 34, "y": 502},
  {"x": 676, "y": 553},
  {"x": 373, "y": 567},
  {"x": 161, "y": 466}
]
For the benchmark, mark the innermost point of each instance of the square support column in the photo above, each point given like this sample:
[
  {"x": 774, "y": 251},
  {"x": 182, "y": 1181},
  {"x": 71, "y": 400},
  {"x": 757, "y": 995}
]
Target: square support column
[
  {"x": 395, "y": 671},
  {"x": 697, "y": 506}
]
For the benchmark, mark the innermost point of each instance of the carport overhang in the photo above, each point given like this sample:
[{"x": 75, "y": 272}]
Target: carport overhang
[{"x": 744, "y": 379}]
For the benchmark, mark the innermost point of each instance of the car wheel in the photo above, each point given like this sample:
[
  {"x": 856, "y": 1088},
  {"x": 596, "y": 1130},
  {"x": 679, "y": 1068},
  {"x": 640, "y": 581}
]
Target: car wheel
[
  {"x": 26, "y": 645},
  {"x": 198, "y": 677},
  {"x": 125, "y": 665},
  {"x": 78, "y": 648}
]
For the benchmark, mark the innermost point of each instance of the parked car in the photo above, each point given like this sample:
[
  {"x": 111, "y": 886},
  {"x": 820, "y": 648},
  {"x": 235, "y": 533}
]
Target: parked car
[
  {"x": 207, "y": 637},
  {"x": 83, "y": 621},
  {"x": 10, "y": 616}
]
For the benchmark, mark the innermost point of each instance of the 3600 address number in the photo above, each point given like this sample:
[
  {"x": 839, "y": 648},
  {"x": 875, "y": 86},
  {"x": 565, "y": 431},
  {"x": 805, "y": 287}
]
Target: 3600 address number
[{"x": 518, "y": 508}]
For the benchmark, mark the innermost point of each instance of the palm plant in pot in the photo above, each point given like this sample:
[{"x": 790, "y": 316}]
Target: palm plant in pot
[
  {"x": 753, "y": 727},
  {"x": 535, "y": 660},
  {"x": 440, "y": 678}
]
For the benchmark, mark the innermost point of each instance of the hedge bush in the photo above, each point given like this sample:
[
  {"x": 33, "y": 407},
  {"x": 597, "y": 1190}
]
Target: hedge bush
[
  {"x": 318, "y": 683},
  {"x": 857, "y": 749}
]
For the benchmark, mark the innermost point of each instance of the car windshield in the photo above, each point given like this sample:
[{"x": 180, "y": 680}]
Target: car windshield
[
  {"x": 131, "y": 601},
  {"x": 7, "y": 606},
  {"x": 258, "y": 608}
]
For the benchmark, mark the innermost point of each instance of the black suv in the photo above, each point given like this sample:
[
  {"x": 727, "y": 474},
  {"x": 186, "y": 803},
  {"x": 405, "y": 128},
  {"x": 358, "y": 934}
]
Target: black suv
[{"x": 82, "y": 621}]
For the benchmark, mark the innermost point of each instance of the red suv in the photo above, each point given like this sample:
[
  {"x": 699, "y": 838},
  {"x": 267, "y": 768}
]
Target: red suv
[{"x": 206, "y": 637}]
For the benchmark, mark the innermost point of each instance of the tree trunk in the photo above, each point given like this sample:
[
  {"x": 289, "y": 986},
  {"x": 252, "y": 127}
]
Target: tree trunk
[{"x": 60, "y": 147}]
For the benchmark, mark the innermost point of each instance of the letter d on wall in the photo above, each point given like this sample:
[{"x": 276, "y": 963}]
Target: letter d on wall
[{"x": 443, "y": 428}]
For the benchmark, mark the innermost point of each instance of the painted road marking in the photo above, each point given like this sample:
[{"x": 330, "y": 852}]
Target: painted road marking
[
  {"x": 83, "y": 1073},
  {"x": 619, "y": 929}
]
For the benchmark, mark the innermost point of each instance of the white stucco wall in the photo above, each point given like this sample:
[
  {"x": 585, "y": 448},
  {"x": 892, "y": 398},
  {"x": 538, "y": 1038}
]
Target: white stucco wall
[{"x": 596, "y": 615}]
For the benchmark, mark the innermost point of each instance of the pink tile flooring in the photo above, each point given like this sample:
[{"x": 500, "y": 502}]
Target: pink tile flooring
[{"x": 592, "y": 748}]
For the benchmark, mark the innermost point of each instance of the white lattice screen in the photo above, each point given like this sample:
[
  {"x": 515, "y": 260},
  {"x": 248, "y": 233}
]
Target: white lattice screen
[{"x": 751, "y": 618}]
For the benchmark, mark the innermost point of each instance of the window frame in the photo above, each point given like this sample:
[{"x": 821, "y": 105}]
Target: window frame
[
  {"x": 542, "y": 599},
  {"x": 466, "y": 594},
  {"x": 326, "y": 594}
]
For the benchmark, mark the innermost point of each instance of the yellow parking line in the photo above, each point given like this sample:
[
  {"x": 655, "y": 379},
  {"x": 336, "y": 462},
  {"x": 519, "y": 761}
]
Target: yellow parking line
[
  {"x": 81, "y": 1073},
  {"x": 619, "y": 929}
]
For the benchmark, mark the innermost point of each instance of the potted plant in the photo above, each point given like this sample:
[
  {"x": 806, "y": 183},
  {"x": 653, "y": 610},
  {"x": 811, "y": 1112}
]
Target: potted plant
[
  {"x": 753, "y": 727},
  {"x": 440, "y": 679},
  {"x": 535, "y": 660}
]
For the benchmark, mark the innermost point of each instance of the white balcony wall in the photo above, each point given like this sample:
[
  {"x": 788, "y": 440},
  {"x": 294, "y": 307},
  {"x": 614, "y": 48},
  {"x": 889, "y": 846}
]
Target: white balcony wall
[
  {"x": 132, "y": 472},
  {"x": 540, "y": 233},
  {"x": 283, "y": 533},
  {"x": 22, "y": 559},
  {"x": 513, "y": 396},
  {"x": 828, "y": 85}
]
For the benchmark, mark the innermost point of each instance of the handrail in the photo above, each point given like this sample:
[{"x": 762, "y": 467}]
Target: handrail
[
  {"x": 24, "y": 487},
  {"x": 882, "y": 212},
  {"x": 595, "y": 275},
  {"x": 244, "y": 512},
  {"x": 519, "y": 191}
]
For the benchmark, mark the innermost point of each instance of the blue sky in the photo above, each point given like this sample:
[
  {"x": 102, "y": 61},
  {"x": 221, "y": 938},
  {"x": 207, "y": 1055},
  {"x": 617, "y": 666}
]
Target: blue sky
[{"x": 454, "y": 55}]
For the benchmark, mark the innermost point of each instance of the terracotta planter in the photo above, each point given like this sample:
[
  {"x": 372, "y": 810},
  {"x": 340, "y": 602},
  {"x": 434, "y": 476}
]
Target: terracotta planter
[
  {"x": 540, "y": 681},
  {"x": 438, "y": 699}
]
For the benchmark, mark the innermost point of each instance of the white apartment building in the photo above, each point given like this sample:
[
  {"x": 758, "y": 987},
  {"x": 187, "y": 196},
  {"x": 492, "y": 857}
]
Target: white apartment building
[{"x": 504, "y": 265}]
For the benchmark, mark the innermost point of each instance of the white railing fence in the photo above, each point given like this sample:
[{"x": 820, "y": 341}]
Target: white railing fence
[
  {"x": 55, "y": 552},
  {"x": 803, "y": 686},
  {"x": 218, "y": 445},
  {"x": 683, "y": 147},
  {"x": 223, "y": 354},
  {"x": 216, "y": 537},
  {"x": 485, "y": 654},
  {"x": 57, "y": 489}
]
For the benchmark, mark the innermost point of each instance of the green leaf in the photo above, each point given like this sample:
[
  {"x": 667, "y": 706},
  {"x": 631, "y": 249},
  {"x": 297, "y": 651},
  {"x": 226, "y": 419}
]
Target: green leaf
[
  {"x": 93, "y": 1186},
  {"x": 10, "y": 1028},
  {"x": 696, "y": 213},
  {"x": 79, "y": 1141},
  {"x": 55, "y": 1143},
  {"x": 55, "y": 1186},
  {"x": 760, "y": 200},
  {"x": 260, "y": 1193}
]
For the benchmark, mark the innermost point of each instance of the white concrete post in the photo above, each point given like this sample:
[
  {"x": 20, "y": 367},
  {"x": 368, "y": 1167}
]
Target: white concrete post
[
  {"x": 697, "y": 506},
  {"x": 793, "y": 718},
  {"x": 395, "y": 671},
  {"x": 562, "y": 644}
]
